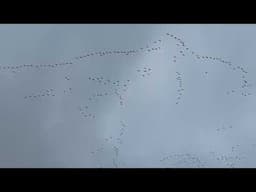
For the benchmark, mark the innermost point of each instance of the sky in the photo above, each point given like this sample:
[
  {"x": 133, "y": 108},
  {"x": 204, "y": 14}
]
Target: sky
[{"x": 127, "y": 95}]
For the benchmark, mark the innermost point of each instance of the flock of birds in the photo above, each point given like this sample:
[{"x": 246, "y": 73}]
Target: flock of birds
[
  {"x": 41, "y": 94},
  {"x": 183, "y": 160},
  {"x": 117, "y": 88},
  {"x": 85, "y": 113},
  {"x": 19, "y": 68},
  {"x": 114, "y": 144},
  {"x": 46, "y": 93},
  {"x": 184, "y": 50},
  {"x": 230, "y": 159},
  {"x": 145, "y": 71},
  {"x": 180, "y": 89},
  {"x": 224, "y": 128}
]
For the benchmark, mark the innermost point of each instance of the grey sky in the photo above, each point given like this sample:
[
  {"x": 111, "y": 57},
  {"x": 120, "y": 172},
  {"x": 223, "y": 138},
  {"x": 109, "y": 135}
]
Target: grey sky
[{"x": 154, "y": 104}]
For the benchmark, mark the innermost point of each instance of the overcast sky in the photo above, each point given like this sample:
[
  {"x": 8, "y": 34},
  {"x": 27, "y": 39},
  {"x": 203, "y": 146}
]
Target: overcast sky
[{"x": 127, "y": 95}]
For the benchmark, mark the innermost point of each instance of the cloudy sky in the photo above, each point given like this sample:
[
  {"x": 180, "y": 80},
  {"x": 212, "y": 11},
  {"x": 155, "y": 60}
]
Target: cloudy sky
[{"x": 127, "y": 95}]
